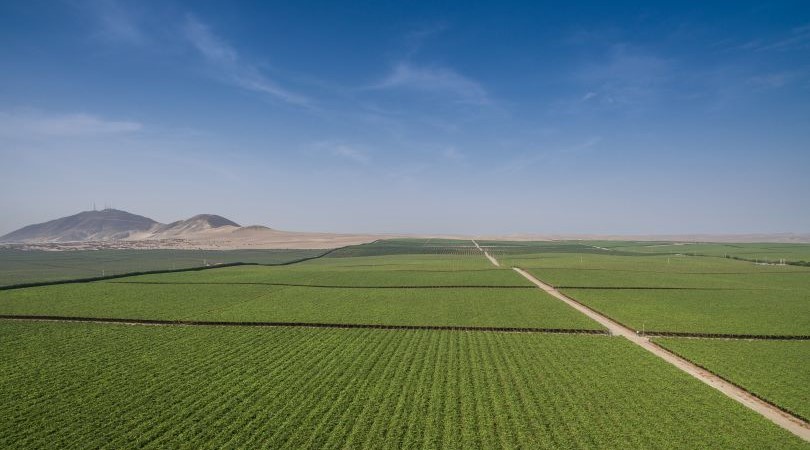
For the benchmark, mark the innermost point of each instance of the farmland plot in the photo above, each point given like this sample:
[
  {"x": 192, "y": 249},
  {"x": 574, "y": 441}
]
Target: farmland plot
[
  {"x": 19, "y": 267},
  {"x": 758, "y": 312},
  {"x": 110, "y": 300},
  {"x": 323, "y": 275},
  {"x": 505, "y": 308},
  {"x": 774, "y": 370},
  {"x": 255, "y": 303},
  {"x": 92, "y": 386}
]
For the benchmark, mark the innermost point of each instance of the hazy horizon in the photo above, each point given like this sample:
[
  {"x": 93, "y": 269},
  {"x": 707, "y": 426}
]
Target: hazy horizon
[{"x": 421, "y": 118}]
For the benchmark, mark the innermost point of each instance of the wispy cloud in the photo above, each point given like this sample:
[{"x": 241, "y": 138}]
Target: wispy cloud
[
  {"x": 117, "y": 21},
  {"x": 625, "y": 77},
  {"x": 34, "y": 124},
  {"x": 435, "y": 79},
  {"x": 417, "y": 37},
  {"x": 231, "y": 68},
  {"x": 796, "y": 39},
  {"x": 776, "y": 80},
  {"x": 589, "y": 95},
  {"x": 453, "y": 154},
  {"x": 352, "y": 153},
  {"x": 529, "y": 160}
]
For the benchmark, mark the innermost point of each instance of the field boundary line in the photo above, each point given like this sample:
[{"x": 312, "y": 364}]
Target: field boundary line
[
  {"x": 742, "y": 337},
  {"x": 325, "y": 286},
  {"x": 209, "y": 323},
  {"x": 667, "y": 288},
  {"x": 780, "y": 417},
  {"x": 597, "y": 269},
  {"x": 160, "y": 271}
]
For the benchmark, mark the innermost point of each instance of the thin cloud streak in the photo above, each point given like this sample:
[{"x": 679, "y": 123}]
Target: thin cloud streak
[
  {"x": 436, "y": 80},
  {"x": 349, "y": 152},
  {"x": 231, "y": 68},
  {"x": 117, "y": 22},
  {"x": 525, "y": 162},
  {"x": 797, "y": 39},
  {"x": 626, "y": 77},
  {"x": 34, "y": 124}
]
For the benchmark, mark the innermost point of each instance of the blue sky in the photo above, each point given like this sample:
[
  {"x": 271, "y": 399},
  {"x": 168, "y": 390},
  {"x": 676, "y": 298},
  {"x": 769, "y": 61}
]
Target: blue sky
[{"x": 410, "y": 117}]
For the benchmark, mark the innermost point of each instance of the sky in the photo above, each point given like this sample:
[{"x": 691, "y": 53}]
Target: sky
[{"x": 410, "y": 117}]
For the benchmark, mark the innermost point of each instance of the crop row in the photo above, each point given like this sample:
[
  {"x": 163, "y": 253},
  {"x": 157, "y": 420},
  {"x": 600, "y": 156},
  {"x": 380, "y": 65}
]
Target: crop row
[
  {"x": 510, "y": 308},
  {"x": 322, "y": 275},
  {"x": 751, "y": 312},
  {"x": 773, "y": 370},
  {"x": 157, "y": 387}
]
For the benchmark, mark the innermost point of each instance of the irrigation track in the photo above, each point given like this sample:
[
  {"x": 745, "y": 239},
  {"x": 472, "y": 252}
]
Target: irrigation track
[
  {"x": 205, "y": 323},
  {"x": 489, "y": 257},
  {"x": 325, "y": 286},
  {"x": 788, "y": 421}
]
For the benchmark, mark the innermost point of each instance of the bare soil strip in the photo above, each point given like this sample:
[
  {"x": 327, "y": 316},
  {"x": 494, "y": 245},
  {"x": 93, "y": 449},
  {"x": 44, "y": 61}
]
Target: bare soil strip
[
  {"x": 785, "y": 420},
  {"x": 205, "y": 323},
  {"x": 489, "y": 257}
]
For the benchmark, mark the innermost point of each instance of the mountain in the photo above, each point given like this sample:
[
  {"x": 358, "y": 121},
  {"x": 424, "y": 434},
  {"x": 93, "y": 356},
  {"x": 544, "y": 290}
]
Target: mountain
[
  {"x": 107, "y": 224},
  {"x": 113, "y": 224},
  {"x": 195, "y": 225},
  {"x": 114, "y": 229}
]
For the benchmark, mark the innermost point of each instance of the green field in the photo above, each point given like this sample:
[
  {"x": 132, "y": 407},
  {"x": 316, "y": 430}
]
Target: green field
[
  {"x": 19, "y": 267},
  {"x": 775, "y": 370},
  {"x": 681, "y": 293},
  {"x": 764, "y": 252},
  {"x": 409, "y": 247},
  {"x": 78, "y": 385},
  {"x": 523, "y": 308},
  {"x": 698, "y": 311},
  {"x": 115, "y": 386},
  {"x": 318, "y": 274}
]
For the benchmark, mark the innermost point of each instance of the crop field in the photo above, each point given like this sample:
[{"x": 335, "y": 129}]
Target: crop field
[
  {"x": 177, "y": 296},
  {"x": 681, "y": 293},
  {"x": 763, "y": 252},
  {"x": 115, "y": 386},
  {"x": 197, "y": 385},
  {"x": 409, "y": 247},
  {"x": 774, "y": 370},
  {"x": 699, "y": 311},
  {"x": 18, "y": 266},
  {"x": 327, "y": 275}
]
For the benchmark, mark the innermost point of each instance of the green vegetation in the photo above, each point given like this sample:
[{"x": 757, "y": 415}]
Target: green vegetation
[
  {"x": 695, "y": 294},
  {"x": 762, "y": 252},
  {"x": 89, "y": 386},
  {"x": 110, "y": 300},
  {"x": 19, "y": 266},
  {"x": 524, "y": 308},
  {"x": 409, "y": 247},
  {"x": 723, "y": 312},
  {"x": 324, "y": 275},
  {"x": 774, "y": 370}
]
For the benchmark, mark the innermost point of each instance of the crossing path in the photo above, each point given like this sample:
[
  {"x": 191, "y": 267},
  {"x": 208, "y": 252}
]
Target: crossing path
[
  {"x": 489, "y": 257},
  {"x": 794, "y": 424}
]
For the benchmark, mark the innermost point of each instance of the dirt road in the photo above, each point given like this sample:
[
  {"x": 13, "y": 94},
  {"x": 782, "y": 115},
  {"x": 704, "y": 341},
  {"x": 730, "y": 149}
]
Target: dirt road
[
  {"x": 489, "y": 257},
  {"x": 789, "y": 422}
]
